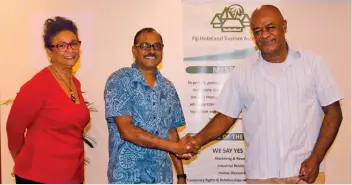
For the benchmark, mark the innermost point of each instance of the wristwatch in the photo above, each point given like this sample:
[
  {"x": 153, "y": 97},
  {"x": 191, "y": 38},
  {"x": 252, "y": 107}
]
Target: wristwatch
[{"x": 181, "y": 176}]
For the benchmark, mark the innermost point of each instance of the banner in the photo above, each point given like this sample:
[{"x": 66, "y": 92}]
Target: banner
[{"x": 216, "y": 38}]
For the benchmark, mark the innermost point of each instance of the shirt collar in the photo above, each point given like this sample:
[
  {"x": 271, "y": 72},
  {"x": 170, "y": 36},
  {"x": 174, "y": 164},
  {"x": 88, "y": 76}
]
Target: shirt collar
[
  {"x": 140, "y": 78},
  {"x": 292, "y": 52}
]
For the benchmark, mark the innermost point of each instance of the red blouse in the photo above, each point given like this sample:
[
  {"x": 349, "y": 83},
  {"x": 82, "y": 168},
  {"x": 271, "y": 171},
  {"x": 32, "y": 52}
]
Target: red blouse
[{"x": 53, "y": 150}]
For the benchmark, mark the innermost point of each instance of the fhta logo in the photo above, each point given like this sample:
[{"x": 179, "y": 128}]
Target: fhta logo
[{"x": 232, "y": 19}]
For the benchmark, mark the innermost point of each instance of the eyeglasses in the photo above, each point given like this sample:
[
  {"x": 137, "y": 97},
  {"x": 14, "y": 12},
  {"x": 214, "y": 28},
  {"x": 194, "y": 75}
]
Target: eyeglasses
[
  {"x": 146, "y": 46},
  {"x": 63, "y": 46}
]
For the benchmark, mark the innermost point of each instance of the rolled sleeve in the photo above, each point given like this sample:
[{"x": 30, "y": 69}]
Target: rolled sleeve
[
  {"x": 326, "y": 88},
  {"x": 228, "y": 102},
  {"x": 117, "y": 96}
]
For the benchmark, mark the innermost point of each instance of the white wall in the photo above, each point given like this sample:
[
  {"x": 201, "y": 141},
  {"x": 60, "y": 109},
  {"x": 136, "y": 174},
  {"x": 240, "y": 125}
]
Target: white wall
[{"x": 322, "y": 27}]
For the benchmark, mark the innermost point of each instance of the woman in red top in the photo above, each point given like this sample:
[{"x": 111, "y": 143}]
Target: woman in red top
[{"x": 48, "y": 116}]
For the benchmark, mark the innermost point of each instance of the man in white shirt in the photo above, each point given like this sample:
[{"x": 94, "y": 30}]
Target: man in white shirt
[{"x": 283, "y": 96}]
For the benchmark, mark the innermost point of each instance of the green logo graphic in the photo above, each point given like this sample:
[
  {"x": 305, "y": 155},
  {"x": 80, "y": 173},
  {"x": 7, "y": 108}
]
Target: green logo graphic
[{"x": 232, "y": 19}]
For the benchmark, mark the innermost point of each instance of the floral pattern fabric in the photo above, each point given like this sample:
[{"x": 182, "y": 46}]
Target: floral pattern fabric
[{"x": 155, "y": 110}]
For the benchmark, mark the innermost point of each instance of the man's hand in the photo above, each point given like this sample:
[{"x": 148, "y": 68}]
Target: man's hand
[
  {"x": 191, "y": 145},
  {"x": 309, "y": 170},
  {"x": 184, "y": 147},
  {"x": 185, "y": 156}
]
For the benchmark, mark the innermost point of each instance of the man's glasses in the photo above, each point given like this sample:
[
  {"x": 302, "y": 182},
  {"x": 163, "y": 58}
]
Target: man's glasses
[
  {"x": 147, "y": 46},
  {"x": 63, "y": 46}
]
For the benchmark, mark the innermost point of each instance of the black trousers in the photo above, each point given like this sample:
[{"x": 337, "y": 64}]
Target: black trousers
[{"x": 20, "y": 180}]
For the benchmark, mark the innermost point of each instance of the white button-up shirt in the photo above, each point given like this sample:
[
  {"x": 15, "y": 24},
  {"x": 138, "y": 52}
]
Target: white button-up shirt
[{"x": 281, "y": 118}]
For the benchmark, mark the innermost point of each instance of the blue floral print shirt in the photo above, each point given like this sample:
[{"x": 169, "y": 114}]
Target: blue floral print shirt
[{"x": 155, "y": 110}]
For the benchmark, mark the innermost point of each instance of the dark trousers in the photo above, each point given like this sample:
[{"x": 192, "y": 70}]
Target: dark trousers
[{"x": 20, "y": 180}]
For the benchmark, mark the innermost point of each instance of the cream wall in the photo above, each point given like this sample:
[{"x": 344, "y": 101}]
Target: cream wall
[{"x": 322, "y": 27}]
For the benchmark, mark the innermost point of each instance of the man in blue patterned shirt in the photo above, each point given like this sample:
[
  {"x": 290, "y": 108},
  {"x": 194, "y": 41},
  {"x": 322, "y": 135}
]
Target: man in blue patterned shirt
[{"x": 143, "y": 112}]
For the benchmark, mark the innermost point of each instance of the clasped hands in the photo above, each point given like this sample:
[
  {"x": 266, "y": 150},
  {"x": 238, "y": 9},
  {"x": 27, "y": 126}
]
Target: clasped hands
[{"x": 186, "y": 147}]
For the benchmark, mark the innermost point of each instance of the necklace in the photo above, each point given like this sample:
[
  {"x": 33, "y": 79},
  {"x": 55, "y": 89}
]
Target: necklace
[{"x": 73, "y": 98}]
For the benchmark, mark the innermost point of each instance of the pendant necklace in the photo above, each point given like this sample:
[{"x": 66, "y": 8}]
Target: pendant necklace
[{"x": 73, "y": 98}]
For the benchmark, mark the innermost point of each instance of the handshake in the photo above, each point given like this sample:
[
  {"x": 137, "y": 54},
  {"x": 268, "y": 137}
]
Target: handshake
[{"x": 186, "y": 147}]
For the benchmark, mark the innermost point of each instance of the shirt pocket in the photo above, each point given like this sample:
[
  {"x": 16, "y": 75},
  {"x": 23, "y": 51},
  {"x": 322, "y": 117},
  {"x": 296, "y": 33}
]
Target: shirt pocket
[{"x": 306, "y": 91}]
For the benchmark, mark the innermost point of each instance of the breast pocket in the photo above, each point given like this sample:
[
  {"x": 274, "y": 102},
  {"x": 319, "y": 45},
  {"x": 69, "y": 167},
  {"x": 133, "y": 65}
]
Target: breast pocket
[
  {"x": 306, "y": 91},
  {"x": 167, "y": 114}
]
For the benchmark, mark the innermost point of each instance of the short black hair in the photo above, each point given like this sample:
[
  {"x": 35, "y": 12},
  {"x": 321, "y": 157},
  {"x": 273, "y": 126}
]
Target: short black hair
[
  {"x": 53, "y": 26},
  {"x": 136, "y": 37}
]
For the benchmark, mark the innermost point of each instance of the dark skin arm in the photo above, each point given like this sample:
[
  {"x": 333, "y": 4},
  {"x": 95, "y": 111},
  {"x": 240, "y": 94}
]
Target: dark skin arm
[
  {"x": 331, "y": 123},
  {"x": 215, "y": 128},
  {"x": 140, "y": 137},
  {"x": 173, "y": 136}
]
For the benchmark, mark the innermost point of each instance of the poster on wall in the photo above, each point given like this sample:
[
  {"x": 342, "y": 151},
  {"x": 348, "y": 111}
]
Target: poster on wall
[{"x": 216, "y": 38}]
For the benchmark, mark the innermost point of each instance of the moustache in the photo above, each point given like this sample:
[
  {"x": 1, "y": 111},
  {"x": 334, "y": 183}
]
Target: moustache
[{"x": 150, "y": 55}]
